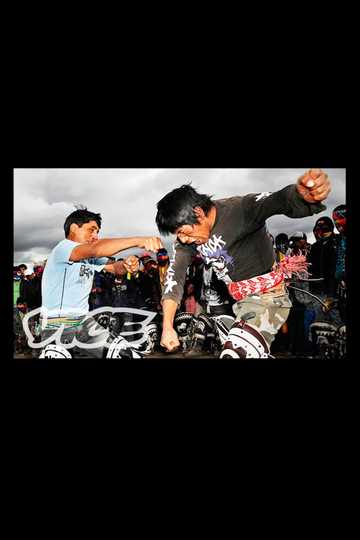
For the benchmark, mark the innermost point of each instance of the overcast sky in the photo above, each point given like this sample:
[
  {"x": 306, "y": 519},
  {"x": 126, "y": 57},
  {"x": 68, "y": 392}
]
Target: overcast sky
[{"x": 126, "y": 199}]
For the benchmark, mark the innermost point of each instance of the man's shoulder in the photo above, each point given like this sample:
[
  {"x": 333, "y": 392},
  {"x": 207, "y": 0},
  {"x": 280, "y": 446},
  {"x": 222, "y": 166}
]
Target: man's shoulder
[
  {"x": 230, "y": 201},
  {"x": 65, "y": 242},
  {"x": 231, "y": 206}
]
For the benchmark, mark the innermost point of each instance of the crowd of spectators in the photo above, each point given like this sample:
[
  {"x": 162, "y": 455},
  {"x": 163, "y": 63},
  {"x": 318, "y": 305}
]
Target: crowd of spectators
[{"x": 321, "y": 297}]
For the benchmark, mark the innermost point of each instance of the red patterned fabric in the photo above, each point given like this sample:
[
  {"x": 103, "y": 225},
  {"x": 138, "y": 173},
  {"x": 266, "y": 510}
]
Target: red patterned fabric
[{"x": 260, "y": 284}]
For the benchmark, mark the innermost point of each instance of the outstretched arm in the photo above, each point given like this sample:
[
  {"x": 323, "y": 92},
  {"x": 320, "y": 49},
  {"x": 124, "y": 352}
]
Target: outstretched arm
[
  {"x": 110, "y": 246},
  {"x": 302, "y": 199}
]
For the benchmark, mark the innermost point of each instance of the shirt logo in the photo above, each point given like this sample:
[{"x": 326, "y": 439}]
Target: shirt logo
[
  {"x": 217, "y": 257},
  {"x": 85, "y": 272},
  {"x": 262, "y": 195}
]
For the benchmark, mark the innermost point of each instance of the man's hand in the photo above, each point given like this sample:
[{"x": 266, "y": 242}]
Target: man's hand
[
  {"x": 117, "y": 267},
  {"x": 169, "y": 339},
  {"x": 313, "y": 186},
  {"x": 150, "y": 243},
  {"x": 131, "y": 264}
]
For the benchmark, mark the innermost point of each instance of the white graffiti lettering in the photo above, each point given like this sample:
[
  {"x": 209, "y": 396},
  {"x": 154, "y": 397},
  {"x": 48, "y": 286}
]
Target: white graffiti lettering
[
  {"x": 212, "y": 245},
  {"x": 262, "y": 195},
  {"x": 169, "y": 279},
  {"x": 93, "y": 332}
]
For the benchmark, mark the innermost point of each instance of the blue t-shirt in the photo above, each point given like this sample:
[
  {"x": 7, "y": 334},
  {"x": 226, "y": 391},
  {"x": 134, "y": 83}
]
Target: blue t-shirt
[{"x": 66, "y": 284}]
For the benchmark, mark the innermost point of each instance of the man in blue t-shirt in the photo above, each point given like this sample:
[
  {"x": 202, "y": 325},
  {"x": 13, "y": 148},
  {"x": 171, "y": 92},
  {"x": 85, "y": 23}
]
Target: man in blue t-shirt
[{"x": 68, "y": 278}]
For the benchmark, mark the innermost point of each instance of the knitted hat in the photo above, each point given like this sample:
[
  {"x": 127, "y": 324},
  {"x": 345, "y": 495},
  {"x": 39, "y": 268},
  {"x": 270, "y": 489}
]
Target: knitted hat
[{"x": 324, "y": 223}]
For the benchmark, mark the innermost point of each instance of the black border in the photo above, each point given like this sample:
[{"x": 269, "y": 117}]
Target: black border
[{"x": 201, "y": 140}]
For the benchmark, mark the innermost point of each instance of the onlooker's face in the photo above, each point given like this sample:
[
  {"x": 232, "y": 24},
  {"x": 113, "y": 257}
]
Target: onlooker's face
[
  {"x": 162, "y": 260},
  {"x": 282, "y": 245},
  {"x": 22, "y": 307},
  {"x": 151, "y": 268},
  {"x": 86, "y": 234},
  {"x": 322, "y": 231},
  {"x": 132, "y": 264},
  {"x": 190, "y": 288}
]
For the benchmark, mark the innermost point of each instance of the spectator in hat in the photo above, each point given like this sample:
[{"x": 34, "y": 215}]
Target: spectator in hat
[
  {"x": 163, "y": 261},
  {"x": 23, "y": 279},
  {"x": 322, "y": 258},
  {"x": 20, "y": 340},
  {"x": 151, "y": 284},
  {"x": 301, "y": 313},
  {"x": 298, "y": 244},
  {"x": 16, "y": 280},
  {"x": 281, "y": 246}
]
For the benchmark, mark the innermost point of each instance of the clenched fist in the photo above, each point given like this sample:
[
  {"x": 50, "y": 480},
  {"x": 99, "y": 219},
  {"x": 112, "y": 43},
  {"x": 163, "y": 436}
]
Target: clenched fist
[
  {"x": 131, "y": 264},
  {"x": 169, "y": 339},
  {"x": 150, "y": 243},
  {"x": 313, "y": 186},
  {"x": 117, "y": 267}
]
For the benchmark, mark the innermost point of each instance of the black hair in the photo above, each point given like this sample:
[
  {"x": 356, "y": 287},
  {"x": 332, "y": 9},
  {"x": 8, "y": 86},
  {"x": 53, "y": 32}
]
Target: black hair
[
  {"x": 293, "y": 238},
  {"x": 22, "y": 266},
  {"x": 282, "y": 237},
  {"x": 80, "y": 217},
  {"x": 177, "y": 208},
  {"x": 20, "y": 300}
]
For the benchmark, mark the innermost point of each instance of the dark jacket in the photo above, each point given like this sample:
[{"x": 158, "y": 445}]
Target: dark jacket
[
  {"x": 133, "y": 291},
  {"x": 323, "y": 265},
  {"x": 30, "y": 290}
]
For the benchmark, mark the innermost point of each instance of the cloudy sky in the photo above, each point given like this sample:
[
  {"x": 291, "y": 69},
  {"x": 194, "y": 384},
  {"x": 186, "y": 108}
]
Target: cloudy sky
[{"x": 126, "y": 199}]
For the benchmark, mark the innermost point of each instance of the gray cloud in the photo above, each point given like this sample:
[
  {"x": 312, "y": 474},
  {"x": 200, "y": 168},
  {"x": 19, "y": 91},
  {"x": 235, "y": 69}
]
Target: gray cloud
[{"x": 126, "y": 199}]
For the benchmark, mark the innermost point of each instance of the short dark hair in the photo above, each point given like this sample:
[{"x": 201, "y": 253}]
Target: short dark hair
[
  {"x": 22, "y": 266},
  {"x": 282, "y": 237},
  {"x": 80, "y": 217},
  {"x": 20, "y": 300},
  {"x": 177, "y": 208}
]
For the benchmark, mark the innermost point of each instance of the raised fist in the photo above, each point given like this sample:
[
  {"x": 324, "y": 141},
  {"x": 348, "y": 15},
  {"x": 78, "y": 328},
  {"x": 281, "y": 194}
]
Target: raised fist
[
  {"x": 131, "y": 264},
  {"x": 150, "y": 243},
  {"x": 313, "y": 186}
]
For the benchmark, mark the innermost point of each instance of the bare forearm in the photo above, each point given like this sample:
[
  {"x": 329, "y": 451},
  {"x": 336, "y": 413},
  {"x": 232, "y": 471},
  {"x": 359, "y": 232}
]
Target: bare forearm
[
  {"x": 117, "y": 268},
  {"x": 169, "y": 311},
  {"x": 110, "y": 246}
]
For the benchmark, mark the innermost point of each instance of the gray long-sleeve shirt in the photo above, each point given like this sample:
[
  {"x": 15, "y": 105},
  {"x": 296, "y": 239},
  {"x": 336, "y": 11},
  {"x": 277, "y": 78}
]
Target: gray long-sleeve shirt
[{"x": 239, "y": 246}]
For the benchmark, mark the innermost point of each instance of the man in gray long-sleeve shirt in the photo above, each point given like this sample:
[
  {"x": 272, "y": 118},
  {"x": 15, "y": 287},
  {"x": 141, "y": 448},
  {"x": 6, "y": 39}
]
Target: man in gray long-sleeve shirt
[{"x": 230, "y": 235}]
